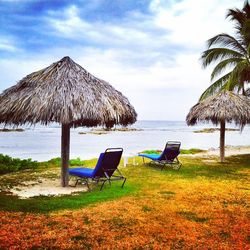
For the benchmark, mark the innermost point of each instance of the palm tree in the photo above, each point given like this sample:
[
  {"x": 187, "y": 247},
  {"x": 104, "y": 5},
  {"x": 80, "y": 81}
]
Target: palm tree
[{"x": 230, "y": 53}]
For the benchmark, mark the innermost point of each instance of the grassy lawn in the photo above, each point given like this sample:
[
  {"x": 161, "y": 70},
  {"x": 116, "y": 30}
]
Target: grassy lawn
[{"x": 204, "y": 205}]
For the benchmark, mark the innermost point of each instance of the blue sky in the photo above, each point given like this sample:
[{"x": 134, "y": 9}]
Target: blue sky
[{"x": 147, "y": 49}]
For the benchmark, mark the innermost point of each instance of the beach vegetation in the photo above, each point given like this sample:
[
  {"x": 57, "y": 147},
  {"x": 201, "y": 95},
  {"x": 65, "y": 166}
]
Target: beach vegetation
[
  {"x": 231, "y": 53},
  {"x": 57, "y": 162},
  {"x": 183, "y": 151},
  {"x": 9, "y": 164},
  {"x": 192, "y": 151},
  {"x": 151, "y": 151}
]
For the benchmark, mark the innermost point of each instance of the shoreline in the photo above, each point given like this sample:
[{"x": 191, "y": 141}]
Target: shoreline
[
  {"x": 229, "y": 150},
  {"x": 43, "y": 143}
]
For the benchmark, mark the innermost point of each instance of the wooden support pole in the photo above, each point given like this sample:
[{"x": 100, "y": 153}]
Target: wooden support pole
[
  {"x": 65, "y": 146},
  {"x": 222, "y": 141}
]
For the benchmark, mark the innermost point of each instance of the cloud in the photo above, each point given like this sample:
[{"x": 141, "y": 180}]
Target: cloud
[
  {"x": 70, "y": 24},
  {"x": 151, "y": 56},
  {"x": 8, "y": 44},
  {"x": 135, "y": 30},
  {"x": 190, "y": 22}
]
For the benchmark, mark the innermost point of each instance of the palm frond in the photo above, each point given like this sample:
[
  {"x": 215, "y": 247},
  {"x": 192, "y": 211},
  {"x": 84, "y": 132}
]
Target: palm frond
[
  {"x": 214, "y": 54},
  {"x": 245, "y": 33},
  {"x": 236, "y": 15},
  {"x": 239, "y": 16},
  {"x": 241, "y": 19},
  {"x": 223, "y": 65},
  {"x": 231, "y": 53},
  {"x": 230, "y": 84},
  {"x": 246, "y": 9},
  {"x": 215, "y": 87},
  {"x": 227, "y": 41},
  {"x": 238, "y": 77}
]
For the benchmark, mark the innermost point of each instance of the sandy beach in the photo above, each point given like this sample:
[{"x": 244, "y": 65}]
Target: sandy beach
[
  {"x": 229, "y": 150},
  {"x": 45, "y": 187}
]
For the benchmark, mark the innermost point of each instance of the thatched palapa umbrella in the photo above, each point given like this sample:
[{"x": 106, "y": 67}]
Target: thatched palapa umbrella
[
  {"x": 221, "y": 108},
  {"x": 67, "y": 94}
]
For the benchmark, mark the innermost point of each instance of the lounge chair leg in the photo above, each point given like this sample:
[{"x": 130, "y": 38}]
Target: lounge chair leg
[
  {"x": 180, "y": 164},
  {"x": 124, "y": 182},
  {"x": 87, "y": 184},
  {"x": 102, "y": 185},
  {"x": 75, "y": 183}
]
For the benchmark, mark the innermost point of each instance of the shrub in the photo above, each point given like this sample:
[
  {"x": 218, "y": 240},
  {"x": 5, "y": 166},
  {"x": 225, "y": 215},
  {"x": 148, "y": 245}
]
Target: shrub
[
  {"x": 191, "y": 151},
  {"x": 9, "y": 164},
  {"x": 55, "y": 161},
  {"x": 76, "y": 162},
  {"x": 151, "y": 151}
]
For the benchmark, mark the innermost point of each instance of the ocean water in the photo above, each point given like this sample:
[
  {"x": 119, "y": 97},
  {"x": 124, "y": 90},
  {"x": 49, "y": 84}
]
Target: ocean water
[{"x": 44, "y": 142}]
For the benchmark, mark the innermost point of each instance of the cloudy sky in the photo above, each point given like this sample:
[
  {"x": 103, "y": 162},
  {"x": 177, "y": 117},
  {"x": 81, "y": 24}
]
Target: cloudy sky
[{"x": 147, "y": 49}]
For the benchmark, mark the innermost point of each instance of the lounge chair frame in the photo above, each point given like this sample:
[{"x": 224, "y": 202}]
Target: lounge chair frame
[
  {"x": 172, "y": 163},
  {"x": 105, "y": 173},
  {"x": 175, "y": 164}
]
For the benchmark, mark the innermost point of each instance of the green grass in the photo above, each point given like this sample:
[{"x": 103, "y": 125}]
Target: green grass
[
  {"x": 191, "y": 151},
  {"x": 183, "y": 151},
  {"x": 210, "y": 168},
  {"x": 151, "y": 151},
  {"x": 43, "y": 204},
  {"x": 141, "y": 179}
]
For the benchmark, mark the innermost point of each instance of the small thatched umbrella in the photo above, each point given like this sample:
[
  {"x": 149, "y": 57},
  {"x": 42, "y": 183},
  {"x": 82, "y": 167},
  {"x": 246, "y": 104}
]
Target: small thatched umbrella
[
  {"x": 67, "y": 94},
  {"x": 221, "y": 108}
]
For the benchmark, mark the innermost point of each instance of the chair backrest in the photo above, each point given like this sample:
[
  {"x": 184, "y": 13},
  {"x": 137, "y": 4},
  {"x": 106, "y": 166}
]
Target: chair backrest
[
  {"x": 171, "y": 151},
  {"x": 108, "y": 162}
]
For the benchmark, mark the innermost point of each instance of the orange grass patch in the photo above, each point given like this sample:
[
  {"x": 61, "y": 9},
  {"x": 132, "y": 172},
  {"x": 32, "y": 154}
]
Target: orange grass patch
[{"x": 170, "y": 212}]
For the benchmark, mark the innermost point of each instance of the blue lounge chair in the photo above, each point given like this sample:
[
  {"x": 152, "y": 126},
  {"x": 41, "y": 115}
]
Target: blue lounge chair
[
  {"x": 104, "y": 170},
  {"x": 168, "y": 157}
]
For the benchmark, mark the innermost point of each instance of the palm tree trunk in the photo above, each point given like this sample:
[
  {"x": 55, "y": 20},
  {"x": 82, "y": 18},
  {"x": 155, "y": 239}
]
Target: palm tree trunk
[
  {"x": 222, "y": 141},
  {"x": 65, "y": 145}
]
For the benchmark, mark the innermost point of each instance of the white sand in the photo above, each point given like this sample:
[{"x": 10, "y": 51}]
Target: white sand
[
  {"x": 229, "y": 150},
  {"x": 46, "y": 187}
]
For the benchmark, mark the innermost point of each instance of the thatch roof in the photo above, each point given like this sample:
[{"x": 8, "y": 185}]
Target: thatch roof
[
  {"x": 248, "y": 92},
  {"x": 65, "y": 93},
  {"x": 225, "y": 106}
]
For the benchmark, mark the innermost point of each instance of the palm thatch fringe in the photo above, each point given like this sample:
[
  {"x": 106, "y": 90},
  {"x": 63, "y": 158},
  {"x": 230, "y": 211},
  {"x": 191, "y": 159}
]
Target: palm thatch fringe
[
  {"x": 247, "y": 93},
  {"x": 225, "y": 106},
  {"x": 65, "y": 93}
]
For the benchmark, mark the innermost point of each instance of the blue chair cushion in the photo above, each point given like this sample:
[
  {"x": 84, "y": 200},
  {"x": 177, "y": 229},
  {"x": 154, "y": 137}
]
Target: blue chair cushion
[
  {"x": 151, "y": 156},
  {"x": 87, "y": 172},
  {"x": 82, "y": 172}
]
